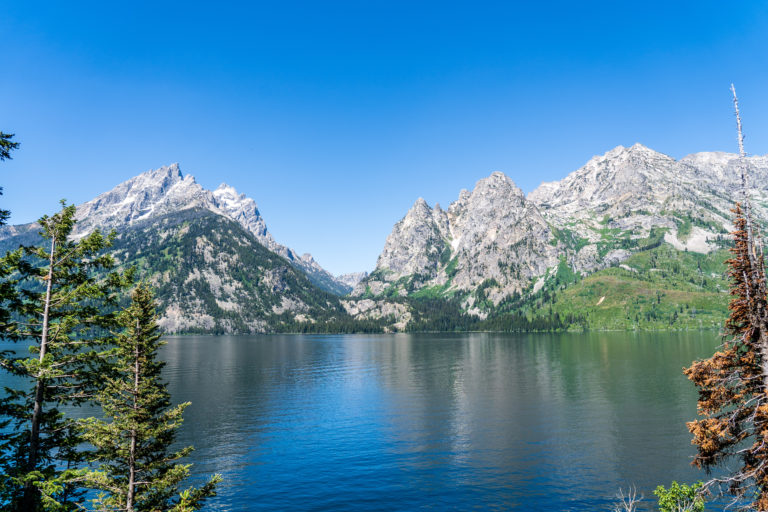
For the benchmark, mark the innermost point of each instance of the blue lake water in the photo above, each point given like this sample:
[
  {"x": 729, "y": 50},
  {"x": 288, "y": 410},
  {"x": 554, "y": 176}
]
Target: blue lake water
[{"x": 436, "y": 422}]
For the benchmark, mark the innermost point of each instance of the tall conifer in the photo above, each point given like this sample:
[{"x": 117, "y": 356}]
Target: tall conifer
[
  {"x": 6, "y": 146},
  {"x": 64, "y": 303},
  {"x": 733, "y": 383},
  {"x": 138, "y": 471}
]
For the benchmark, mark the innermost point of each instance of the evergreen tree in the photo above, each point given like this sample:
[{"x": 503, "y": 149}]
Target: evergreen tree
[
  {"x": 138, "y": 471},
  {"x": 63, "y": 305},
  {"x": 6, "y": 146}
]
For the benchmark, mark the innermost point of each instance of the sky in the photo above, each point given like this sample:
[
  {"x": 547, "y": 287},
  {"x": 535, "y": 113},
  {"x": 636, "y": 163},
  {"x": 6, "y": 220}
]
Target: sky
[{"x": 336, "y": 116}]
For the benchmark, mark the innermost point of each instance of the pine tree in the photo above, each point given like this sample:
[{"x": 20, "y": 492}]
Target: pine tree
[
  {"x": 6, "y": 146},
  {"x": 733, "y": 383},
  {"x": 63, "y": 305},
  {"x": 138, "y": 471}
]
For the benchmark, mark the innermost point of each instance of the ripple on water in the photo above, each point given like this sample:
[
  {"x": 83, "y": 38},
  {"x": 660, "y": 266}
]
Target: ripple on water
[{"x": 436, "y": 422}]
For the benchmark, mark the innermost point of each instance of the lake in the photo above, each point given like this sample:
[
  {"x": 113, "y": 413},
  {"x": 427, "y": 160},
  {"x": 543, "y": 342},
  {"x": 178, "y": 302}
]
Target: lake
[{"x": 437, "y": 421}]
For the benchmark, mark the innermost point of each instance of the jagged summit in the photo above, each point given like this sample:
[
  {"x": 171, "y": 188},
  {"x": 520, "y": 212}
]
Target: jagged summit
[
  {"x": 633, "y": 173},
  {"x": 496, "y": 239},
  {"x": 229, "y": 195},
  {"x": 481, "y": 235},
  {"x": 152, "y": 193},
  {"x": 166, "y": 190}
]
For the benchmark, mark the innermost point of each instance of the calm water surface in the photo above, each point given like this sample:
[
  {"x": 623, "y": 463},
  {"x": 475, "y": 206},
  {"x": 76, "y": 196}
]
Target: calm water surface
[{"x": 437, "y": 422}]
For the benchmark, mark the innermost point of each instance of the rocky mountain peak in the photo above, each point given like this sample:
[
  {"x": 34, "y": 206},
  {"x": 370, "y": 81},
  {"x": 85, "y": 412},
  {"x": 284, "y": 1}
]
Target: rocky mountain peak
[
  {"x": 483, "y": 235},
  {"x": 228, "y": 193},
  {"x": 497, "y": 184},
  {"x": 633, "y": 173},
  {"x": 497, "y": 238},
  {"x": 456, "y": 207},
  {"x": 622, "y": 157},
  {"x": 419, "y": 210},
  {"x": 154, "y": 192},
  {"x": 166, "y": 190},
  {"x": 167, "y": 175},
  {"x": 709, "y": 158},
  {"x": 352, "y": 279}
]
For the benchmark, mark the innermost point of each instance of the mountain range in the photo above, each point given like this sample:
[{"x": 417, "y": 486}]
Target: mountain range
[
  {"x": 633, "y": 239},
  {"x": 596, "y": 217}
]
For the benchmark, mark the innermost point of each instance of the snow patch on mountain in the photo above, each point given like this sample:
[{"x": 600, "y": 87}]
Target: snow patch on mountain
[{"x": 165, "y": 190}]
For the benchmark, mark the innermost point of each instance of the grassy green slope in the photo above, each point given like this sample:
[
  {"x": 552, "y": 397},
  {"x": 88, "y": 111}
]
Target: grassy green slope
[{"x": 657, "y": 289}]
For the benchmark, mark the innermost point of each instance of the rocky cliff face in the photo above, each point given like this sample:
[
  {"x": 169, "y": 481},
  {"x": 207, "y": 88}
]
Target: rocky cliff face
[
  {"x": 352, "y": 279},
  {"x": 497, "y": 241},
  {"x": 166, "y": 190},
  {"x": 212, "y": 275},
  {"x": 491, "y": 237},
  {"x": 611, "y": 205}
]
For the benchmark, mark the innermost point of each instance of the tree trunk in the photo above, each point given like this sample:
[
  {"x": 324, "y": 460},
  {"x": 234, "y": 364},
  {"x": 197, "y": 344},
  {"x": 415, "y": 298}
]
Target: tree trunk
[
  {"x": 37, "y": 411},
  {"x": 132, "y": 454}
]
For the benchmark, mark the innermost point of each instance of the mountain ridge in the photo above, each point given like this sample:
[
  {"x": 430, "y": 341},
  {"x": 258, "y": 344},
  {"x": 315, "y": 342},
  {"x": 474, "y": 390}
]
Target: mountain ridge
[
  {"x": 165, "y": 190},
  {"x": 627, "y": 200},
  {"x": 617, "y": 243}
]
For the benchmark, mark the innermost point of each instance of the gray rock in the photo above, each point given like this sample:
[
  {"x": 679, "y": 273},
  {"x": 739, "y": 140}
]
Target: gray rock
[
  {"x": 165, "y": 190},
  {"x": 490, "y": 234},
  {"x": 623, "y": 201}
]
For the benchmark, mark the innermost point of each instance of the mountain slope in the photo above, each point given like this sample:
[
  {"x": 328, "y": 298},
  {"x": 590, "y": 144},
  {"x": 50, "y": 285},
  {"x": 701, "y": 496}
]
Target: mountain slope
[
  {"x": 166, "y": 190},
  {"x": 491, "y": 237},
  {"x": 213, "y": 276},
  {"x": 494, "y": 247},
  {"x": 632, "y": 240},
  {"x": 606, "y": 207}
]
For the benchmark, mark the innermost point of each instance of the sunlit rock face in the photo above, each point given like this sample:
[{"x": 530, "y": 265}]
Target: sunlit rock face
[
  {"x": 166, "y": 190},
  {"x": 599, "y": 215},
  {"x": 490, "y": 234}
]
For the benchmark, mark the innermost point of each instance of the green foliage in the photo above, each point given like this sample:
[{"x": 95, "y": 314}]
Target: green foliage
[
  {"x": 59, "y": 300},
  {"x": 684, "y": 229},
  {"x": 686, "y": 222},
  {"x": 680, "y": 498},
  {"x": 137, "y": 469},
  {"x": 658, "y": 289},
  {"x": 452, "y": 267},
  {"x": 433, "y": 292},
  {"x": 445, "y": 256},
  {"x": 180, "y": 252},
  {"x": 7, "y": 145},
  {"x": 568, "y": 238}
]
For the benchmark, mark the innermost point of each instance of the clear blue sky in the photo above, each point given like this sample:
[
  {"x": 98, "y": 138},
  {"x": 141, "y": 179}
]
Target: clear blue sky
[{"x": 336, "y": 116}]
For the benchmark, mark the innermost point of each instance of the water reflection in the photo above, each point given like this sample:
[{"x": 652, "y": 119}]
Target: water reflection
[{"x": 534, "y": 422}]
